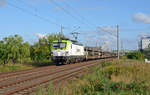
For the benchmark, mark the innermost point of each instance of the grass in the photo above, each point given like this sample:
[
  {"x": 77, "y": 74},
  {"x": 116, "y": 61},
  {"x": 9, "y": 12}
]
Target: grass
[
  {"x": 48, "y": 91},
  {"x": 126, "y": 77},
  {"x": 14, "y": 67},
  {"x": 123, "y": 77},
  {"x": 11, "y": 67}
]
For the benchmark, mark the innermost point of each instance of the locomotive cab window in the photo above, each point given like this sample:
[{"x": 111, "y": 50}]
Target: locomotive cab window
[{"x": 59, "y": 45}]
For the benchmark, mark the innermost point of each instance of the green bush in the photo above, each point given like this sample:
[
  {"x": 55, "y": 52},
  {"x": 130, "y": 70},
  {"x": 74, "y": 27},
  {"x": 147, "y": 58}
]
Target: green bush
[
  {"x": 102, "y": 85},
  {"x": 100, "y": 82},
  {"x": 137, "y": 55}
]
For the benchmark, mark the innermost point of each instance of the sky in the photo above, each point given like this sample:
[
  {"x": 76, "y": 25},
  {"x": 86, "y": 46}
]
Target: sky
[{"x": 95, "y": 20}]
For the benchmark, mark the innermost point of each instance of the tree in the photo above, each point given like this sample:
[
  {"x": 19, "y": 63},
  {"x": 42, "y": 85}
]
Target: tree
[
  {"x": 41, "y": 50},
  {"x": 14, "y": 49},
  {"x": 3, "y": 53},
  {"x": 24, "y": 51},
  {"x": 135, "y": 55}
]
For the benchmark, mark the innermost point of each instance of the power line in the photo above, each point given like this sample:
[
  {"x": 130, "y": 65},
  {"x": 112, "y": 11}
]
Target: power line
[
  {"x": 40, "y": 17},
  {"x": 85, "y": 18},
  {"x": 68, "y": 12},
  {"x": 33, "y": 14},
  {"x": 32, "y": 7},
  {"x": 109, "y": 33},
  {"x": 76, "y": 29},
  {"x": 77, "y": 13}
]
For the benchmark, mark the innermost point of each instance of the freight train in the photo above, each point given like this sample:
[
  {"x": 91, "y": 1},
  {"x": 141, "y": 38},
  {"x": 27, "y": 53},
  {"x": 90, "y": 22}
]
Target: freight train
[{"x": 66, "y": 51}]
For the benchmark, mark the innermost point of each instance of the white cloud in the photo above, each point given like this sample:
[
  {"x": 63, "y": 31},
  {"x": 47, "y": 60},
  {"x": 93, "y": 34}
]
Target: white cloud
[
  {"x": 39, "y": 35},
  {"x": 140, "y": 17}
]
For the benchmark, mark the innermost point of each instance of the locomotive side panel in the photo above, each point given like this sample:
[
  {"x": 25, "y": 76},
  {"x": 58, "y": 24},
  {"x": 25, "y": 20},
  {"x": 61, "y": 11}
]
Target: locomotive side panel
[{"x": 77, "y": 50}]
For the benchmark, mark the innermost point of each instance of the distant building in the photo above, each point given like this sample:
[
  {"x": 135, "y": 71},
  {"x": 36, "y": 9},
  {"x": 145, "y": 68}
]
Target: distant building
[{"x": 144, "y": 43}]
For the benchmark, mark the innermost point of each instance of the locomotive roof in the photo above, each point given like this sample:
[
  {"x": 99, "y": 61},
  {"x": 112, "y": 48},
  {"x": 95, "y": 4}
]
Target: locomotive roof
[
  {"x": 73, "y": 41},
  {"x": 76, "y": 43}
]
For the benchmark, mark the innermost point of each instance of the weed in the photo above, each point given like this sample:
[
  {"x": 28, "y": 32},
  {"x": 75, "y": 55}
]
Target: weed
[
  {"x": 106, "y": 63},
  {"x": 14, "y": 67},
  {"x": 100, "y": 82},
  {"x": 50, "y": 89},
  {"x": 111, "y": 78}
]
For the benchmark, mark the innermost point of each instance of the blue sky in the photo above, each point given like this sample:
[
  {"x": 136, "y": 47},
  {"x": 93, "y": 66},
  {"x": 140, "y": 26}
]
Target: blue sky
[{"x": 94, "y": 17}]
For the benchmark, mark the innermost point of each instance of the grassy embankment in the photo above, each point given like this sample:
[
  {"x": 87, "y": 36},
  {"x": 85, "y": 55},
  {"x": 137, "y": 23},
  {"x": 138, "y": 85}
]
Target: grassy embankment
[
  {"x": 126, "y": 77},
  {"x": 14, "y": 67},
  {"x": 11, "y": 67}
]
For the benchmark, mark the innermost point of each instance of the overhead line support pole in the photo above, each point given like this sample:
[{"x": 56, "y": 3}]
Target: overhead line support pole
[
  {"x": 61, "y": 31},
  {"x": 118, "y": 43}
]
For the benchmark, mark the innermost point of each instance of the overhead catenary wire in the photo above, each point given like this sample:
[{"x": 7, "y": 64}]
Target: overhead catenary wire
[
  {"x": 75, "y": 29},
  {"x": 110, "y": 32},
  {"x": 85, "y": 18},
  {"x": 30, "y": 6},
  {"x": 33, "y": 14},
  {"x": 48, "y": 20},
  {"x": 56, "y": 4},
  {"x": 68, "y": 12},
  {"x": 77, "y": 13},
  {"x": 89, "y": 23},
  {"x": 82, "y": 17},
  {"x": 41, "y": 17}
]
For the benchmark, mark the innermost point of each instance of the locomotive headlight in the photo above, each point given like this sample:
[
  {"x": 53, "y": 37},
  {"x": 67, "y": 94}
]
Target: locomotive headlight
[{"x": 51, "y": 53}]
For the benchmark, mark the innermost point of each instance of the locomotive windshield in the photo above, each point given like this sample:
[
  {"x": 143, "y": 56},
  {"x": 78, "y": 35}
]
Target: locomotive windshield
[{"x": 59, "y": 45}]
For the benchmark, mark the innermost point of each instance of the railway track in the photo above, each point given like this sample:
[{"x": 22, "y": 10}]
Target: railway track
[
  {"x": 25, "y": 82},
  {"x": 4, "y": 76}
]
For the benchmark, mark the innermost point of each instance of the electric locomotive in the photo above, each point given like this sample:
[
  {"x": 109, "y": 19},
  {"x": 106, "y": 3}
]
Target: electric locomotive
[{"x": 66, "y": 51}]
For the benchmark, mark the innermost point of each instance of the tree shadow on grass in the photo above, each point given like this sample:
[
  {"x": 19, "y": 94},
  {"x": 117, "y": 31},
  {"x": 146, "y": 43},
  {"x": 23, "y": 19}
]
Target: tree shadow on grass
[{"x": 41, "y": 64}]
